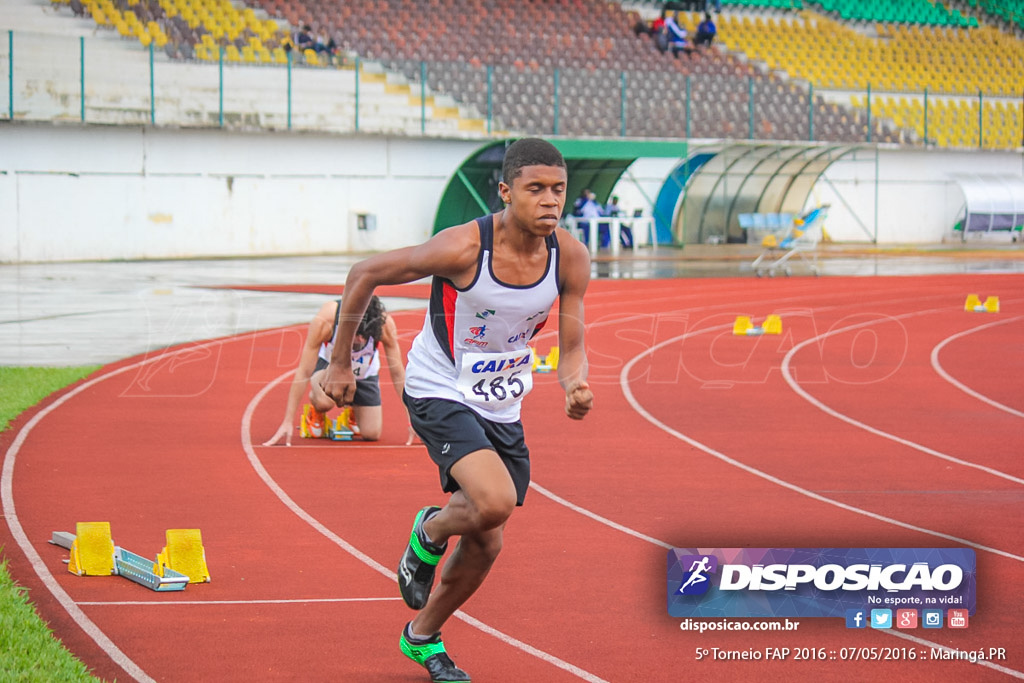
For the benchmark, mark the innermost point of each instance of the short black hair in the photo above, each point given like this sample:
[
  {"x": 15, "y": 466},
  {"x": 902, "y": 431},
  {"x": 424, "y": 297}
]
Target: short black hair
[
  {"x": 529, "y": 152},
  {"x": 373, "y": 320}
]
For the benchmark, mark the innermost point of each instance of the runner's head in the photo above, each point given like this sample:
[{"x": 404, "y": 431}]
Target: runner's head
[
  {"x": 373, "y": 320},
  {"x": 529, "y": 152},
  {"x": 533, "y": 185}
]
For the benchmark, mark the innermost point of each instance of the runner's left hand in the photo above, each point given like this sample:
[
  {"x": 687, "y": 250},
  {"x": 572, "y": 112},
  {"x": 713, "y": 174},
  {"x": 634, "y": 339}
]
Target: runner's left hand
[{"x": 578, "y": 400}]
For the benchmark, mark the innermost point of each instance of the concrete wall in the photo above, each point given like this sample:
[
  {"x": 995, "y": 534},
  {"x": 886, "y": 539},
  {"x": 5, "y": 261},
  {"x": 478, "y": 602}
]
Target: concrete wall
[
  {"x": 82, "y": 193},
  {"x": 117, "y": 192},
  {"x": 918, "y": 200}
]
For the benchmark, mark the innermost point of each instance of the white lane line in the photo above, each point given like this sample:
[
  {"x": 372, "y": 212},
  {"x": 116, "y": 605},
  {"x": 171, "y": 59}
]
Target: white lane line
[
  {"x": 18, "y": 532},
  {"x": 624, "y": 382},
  {"x": 937, "y": 366},
  {"x": 631, "y": 399},
  {"x": 366, "y": 559},
  {"x": 800, "y": 391},
  {"x": 293, "y": 601}
]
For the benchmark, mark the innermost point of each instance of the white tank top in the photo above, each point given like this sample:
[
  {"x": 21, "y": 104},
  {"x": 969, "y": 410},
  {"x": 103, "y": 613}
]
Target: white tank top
[
  {"x": 473, "y": 348},
  {"x": 365, "y": 361}
]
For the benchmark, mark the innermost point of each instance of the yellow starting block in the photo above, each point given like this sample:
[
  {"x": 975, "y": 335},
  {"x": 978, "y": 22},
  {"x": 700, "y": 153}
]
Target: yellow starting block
[
  {"x": 743, "y": 326},
  {"x": 340, "y": 429},
  {"x": 546, "y": 363},
  {"x": 974, "y": 304},
  {"x": 184, "y": 554},
  {"x": 92, "y": 551},
  {"x": 312, "y": 424}
]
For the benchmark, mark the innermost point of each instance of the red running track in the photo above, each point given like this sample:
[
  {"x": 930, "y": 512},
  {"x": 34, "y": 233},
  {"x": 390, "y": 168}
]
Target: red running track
[{"x": 884, "y": 416}]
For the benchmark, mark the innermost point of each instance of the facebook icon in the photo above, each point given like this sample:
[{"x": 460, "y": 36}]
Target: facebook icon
[{"x": 856, "y": 618}]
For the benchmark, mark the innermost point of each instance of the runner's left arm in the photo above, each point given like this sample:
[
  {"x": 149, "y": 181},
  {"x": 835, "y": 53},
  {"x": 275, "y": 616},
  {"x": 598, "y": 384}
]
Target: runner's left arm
[{"x": 572, "y": 356}]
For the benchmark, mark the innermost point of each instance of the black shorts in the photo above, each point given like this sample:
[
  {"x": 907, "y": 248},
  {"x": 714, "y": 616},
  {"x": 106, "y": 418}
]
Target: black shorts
[
  {"x": 451, "y": 430},
  {"x": 367, "y": 390}
]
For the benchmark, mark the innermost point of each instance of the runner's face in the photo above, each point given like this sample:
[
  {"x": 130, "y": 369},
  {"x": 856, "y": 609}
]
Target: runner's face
[
  {"x": 536, "y": 198},
  {"x": 358, "y": 342}
]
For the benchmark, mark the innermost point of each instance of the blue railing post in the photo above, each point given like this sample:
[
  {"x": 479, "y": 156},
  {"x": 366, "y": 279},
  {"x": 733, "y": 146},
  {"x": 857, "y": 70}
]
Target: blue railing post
[
  {"x": 981, "y": 120},
  {"x": 622, "y": 110},
  {"x": 220, "y": 86},
  {"x": 423, "y": 98},
  {"x": 750, "y": 104},
  {"x": 869, "y": 112},
  {"x": 810, "y": 112},
  {"x": 926, "y": 116},
  {"x": 556, "y": 101},
  {"x": 152, "y": 88},
  {"x": 81, "y": 77},
  {"x": 10, "y": 75},
  {"x": 687, "y": 106},
  {"x": 490, "y": 98}
]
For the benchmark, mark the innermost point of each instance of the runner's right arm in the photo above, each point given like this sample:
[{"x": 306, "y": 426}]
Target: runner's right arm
[{"x": 320, "y": 330}]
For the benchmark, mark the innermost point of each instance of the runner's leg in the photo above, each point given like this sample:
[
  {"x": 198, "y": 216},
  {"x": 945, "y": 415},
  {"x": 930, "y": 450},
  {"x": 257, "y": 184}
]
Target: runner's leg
[{"x": 477, "y": 514}]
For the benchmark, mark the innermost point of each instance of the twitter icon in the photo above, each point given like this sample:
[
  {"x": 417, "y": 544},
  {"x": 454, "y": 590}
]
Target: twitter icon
[{"x": 881, "y": 618}]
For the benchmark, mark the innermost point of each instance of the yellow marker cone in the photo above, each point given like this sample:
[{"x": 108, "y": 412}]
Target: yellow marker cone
[
  {"x": 992, "y": 304},
  {"x": 972, "y": 302},
  {"x": 92, "y": 551},
  {"x": 552, "y": 359}
]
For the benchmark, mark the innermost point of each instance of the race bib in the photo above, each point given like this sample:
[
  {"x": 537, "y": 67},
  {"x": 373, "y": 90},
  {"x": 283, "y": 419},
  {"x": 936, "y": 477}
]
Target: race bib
[{"x": 496, "y": 380}]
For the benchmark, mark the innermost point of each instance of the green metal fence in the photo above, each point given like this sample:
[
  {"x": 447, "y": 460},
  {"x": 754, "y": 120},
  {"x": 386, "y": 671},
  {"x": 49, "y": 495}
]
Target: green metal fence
[{"x": 106, "y": 80}]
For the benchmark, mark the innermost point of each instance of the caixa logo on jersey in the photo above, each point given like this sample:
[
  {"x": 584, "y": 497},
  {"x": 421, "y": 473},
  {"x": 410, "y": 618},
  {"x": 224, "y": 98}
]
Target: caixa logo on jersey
[
  {"x": 501, "y": 364},
  {"x": 817, "y": 582}
]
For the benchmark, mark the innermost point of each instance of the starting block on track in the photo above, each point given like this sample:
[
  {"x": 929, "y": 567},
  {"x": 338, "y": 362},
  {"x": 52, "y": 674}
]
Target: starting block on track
[
  {"x": 975, "y": 305},
  {"x": 311, "y": 424},
  {"x": 315, "y": 425},
  {"x": 546, "y": 363},
  {"x": 340, "y": 429},
  {"x": 92, "y": 550},
  {"x": 93, "y": 553},
  {"x": 183, "y": 555},
  {"x": 743, "y": 326},
  {"x": 140, "y": 570}
]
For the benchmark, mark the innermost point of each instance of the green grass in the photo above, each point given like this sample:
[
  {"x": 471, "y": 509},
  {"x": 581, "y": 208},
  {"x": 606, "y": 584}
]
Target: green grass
[{"x": 29, "y": 652}]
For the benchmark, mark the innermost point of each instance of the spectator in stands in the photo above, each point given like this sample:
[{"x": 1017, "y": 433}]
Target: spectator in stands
[
  {"x": 678, "y": 41},
  {"x": 716, "y": 3},
  {"x": 706, "y": 31},
  {"x": 304, "y": 39},
  {"x": 326, "y": 46},
  {"x": 652, "y": 29}
]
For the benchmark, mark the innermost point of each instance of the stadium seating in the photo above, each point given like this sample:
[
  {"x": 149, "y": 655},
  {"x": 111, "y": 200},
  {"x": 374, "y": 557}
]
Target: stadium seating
[{"x": 779, "y": 70}]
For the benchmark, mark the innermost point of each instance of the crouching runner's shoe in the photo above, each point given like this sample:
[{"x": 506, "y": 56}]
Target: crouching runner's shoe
[
  {"x": 430, "y": 654},
  {"x": 416, "y": 570}
]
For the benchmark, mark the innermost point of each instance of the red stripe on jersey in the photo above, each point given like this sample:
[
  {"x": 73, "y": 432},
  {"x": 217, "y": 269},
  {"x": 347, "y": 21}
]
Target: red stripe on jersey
[{"x": 449, "y": 297}]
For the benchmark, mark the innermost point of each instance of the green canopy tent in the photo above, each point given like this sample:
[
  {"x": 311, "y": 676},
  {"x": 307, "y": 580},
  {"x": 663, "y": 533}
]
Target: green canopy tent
[{"x": 595, "y": 164}]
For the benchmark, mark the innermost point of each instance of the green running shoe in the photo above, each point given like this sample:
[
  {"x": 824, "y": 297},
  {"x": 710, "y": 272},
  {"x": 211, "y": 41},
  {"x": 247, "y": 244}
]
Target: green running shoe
[
  {"x": 432, "y": 657},
  {"x": 419, "y": 561}
]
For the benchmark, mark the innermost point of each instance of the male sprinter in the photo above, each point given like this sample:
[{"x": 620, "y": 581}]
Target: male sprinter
[
  {"x": 495, "y": 280},
  {"x": 376, "y": 329}
]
